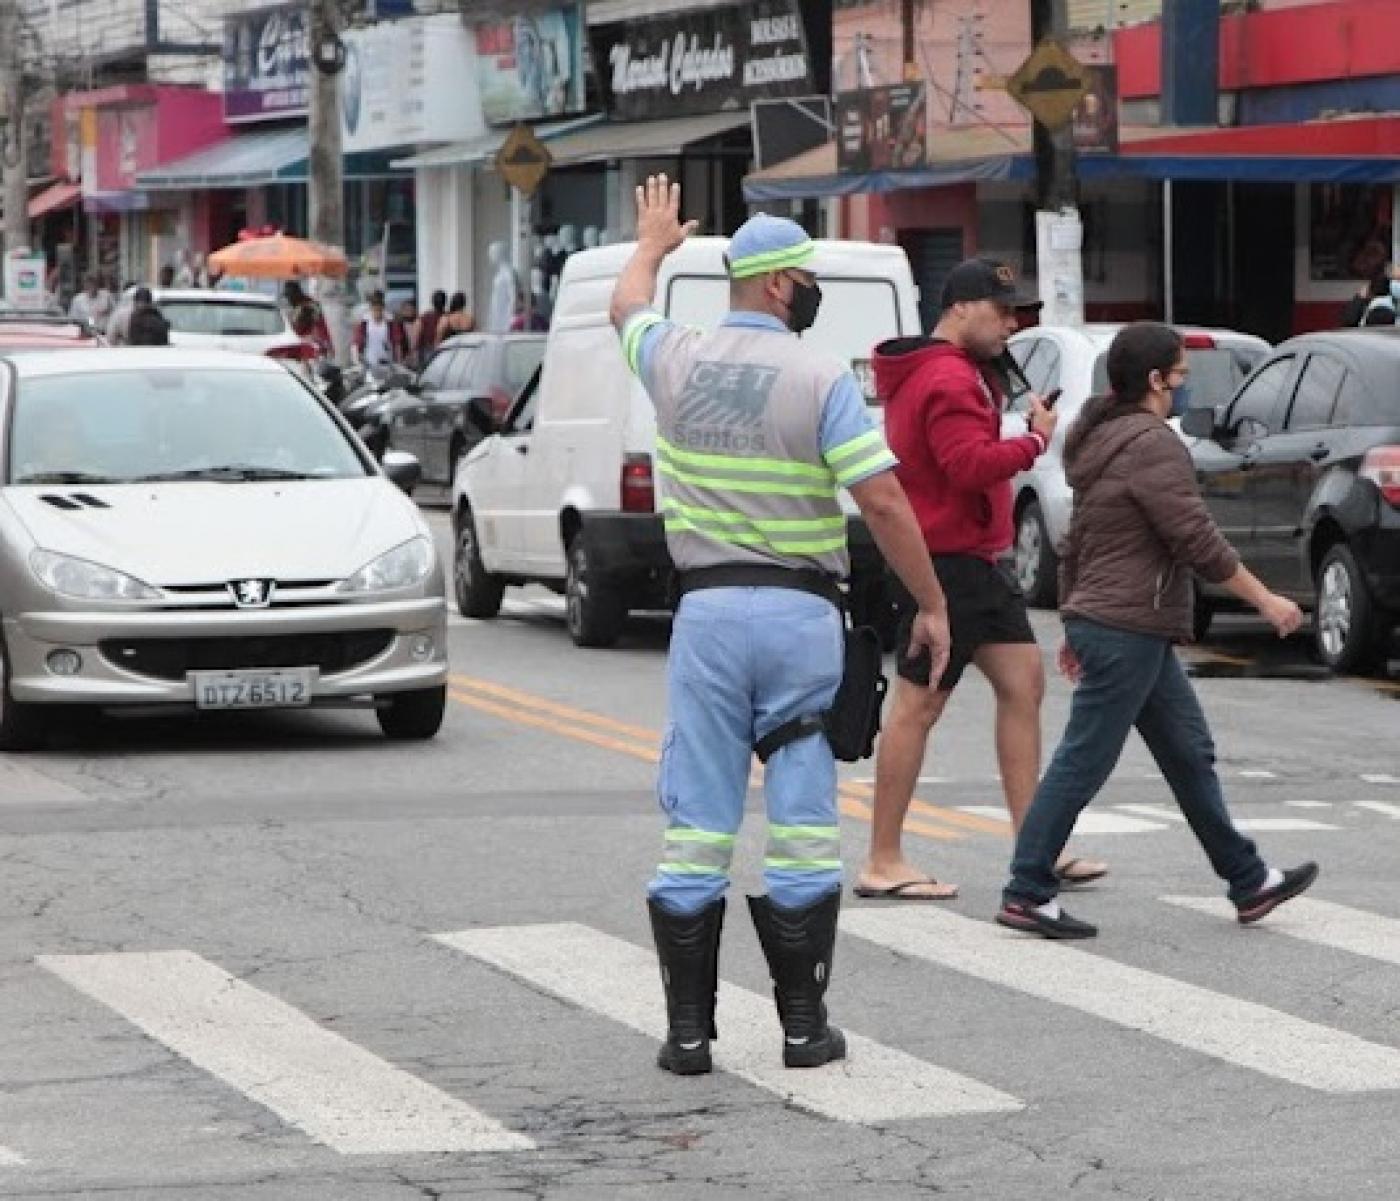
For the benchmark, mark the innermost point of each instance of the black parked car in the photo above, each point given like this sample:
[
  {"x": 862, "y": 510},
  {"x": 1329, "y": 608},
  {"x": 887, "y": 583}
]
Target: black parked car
[
  {"x": 1301, "y": 470},
  {"x": 462, "y": 393}
]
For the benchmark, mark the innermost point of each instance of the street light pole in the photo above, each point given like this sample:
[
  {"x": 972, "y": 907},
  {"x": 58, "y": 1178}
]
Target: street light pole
[
  {"x": 13, "y": 148},
  {"x": 325, "y": 183}
]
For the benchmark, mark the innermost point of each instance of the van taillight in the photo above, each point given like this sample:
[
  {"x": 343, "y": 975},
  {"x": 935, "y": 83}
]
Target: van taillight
[
  {"x": 1382, "y": 467},
  {"x": 638, "y": 487},
  {"x": 1198, "y": 342}
]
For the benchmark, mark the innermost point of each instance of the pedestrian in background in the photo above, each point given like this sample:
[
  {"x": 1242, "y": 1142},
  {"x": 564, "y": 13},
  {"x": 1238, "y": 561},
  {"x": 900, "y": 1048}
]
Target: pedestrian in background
[
  {"x": 1139, "y": 530},
  {"x": 93, "y": 304},
  {"x": 379, "y": 339},
  {"x": 428, "y": 323},
  {"x": 458, "y": 320},
  {"x": 759, "y": 542},
  {"x": 147, "y": 325},
  {"x": 943, "y": 407}
]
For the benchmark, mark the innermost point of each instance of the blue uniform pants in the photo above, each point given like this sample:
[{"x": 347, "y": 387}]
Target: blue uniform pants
[{"x": 743, "y": 661}]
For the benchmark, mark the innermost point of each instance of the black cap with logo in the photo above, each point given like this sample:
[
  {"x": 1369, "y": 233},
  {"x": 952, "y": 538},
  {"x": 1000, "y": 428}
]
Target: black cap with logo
[{"x": 985, "y": 279}]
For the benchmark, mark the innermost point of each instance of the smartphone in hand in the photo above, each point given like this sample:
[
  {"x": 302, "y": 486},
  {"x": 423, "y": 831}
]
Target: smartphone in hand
[{"x": 1052, "y": 397}]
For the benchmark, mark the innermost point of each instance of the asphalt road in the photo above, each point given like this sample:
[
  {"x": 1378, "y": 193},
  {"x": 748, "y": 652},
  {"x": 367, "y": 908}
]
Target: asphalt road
[{"x": 277, "y": 957}]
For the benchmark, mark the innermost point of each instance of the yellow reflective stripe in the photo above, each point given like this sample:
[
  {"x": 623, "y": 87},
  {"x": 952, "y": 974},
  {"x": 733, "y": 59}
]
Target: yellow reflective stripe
[
  {"x": 759, "y": 486},
  {"x": 771, "y": 524},
  {"x": 690, "y": 458},
  {"x": 804, "y": 831},
  {"x": 880, "y": 460},
  {"x": 690, "y": 869},
  {"x": 854, "y": 446},
  {"x": 633, "y": 333},
  {"x": 804, "y": 865},
  {"x": 680, "y": 525},
  {"x": 772, "y": 260},
  {"x": 688, "y": 834}
]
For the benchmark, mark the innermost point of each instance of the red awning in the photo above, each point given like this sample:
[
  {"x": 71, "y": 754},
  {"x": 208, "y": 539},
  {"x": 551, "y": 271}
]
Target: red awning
[{"x": 54, "y": 197}]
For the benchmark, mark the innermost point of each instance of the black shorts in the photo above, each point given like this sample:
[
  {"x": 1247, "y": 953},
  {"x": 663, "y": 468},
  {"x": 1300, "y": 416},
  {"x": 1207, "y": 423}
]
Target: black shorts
[{"x": 985, "y": 607}]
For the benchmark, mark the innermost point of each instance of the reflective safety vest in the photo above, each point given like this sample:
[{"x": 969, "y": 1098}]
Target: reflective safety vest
[{"x": 738, "y": 448}]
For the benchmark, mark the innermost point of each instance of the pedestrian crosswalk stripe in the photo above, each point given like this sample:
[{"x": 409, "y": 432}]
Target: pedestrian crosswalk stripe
[
  {"x": 1386, "y": 808},
  {"x": 1240, "y": 1032},
  {"x": 11, "y": 1159},
  {"x": 1087, "y": 822},
  {"x": 323, "y": 1084},
  {"x": 1322, "y": 922},
  {"x": 1268, "y": 825},
  {"x": 1379, "y": 778},
  {"x": 619, "y": 980}
]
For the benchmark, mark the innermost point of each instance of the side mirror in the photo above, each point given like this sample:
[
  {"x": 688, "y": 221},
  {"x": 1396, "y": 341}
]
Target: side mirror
[
  {"x": 403, "y": 469},
  {"x": 399, "y": 377},
  {"x": 482, "y": 416},
  {"x": 1200, "y": 423}
]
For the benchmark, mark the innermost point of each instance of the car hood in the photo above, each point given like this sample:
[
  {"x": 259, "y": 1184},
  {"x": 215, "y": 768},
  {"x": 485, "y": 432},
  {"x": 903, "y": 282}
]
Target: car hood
[{"x": 199, "y": 533}]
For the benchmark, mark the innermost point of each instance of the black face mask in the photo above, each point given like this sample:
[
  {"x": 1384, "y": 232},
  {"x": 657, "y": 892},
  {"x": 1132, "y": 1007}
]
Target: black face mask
[{"x": 802, "y": 308}]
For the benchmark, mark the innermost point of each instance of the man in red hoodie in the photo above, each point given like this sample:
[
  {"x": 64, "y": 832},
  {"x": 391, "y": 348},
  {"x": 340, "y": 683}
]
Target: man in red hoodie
[{"x": 943, "y": 407}]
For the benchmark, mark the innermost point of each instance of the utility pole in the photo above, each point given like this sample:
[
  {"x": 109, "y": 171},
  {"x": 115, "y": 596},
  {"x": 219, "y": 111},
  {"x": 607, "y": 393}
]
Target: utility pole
[
  {"x": 14, "y": 150},
  {"x": 325, "y": 190},
  {"x": 1059, "y": 231}
]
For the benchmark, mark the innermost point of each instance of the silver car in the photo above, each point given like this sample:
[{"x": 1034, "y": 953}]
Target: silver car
[{"x": 199, "y": 529}]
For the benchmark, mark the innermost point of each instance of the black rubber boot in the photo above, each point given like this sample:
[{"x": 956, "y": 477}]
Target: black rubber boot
[
  {"x": 688, "y": 947},
  {"x": 799, "y": 944}
]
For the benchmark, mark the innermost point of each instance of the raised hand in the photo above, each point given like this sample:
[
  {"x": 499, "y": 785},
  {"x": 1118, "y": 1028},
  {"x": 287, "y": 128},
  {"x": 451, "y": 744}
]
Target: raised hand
[{"x": 659, "y": 226}]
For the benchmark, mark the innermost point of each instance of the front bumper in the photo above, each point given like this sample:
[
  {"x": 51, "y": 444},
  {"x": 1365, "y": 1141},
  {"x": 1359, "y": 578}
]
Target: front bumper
[{"x": 107, "y": 643}]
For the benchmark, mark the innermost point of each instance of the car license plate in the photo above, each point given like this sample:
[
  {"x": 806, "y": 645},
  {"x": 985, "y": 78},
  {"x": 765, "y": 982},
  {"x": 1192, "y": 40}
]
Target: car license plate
[{"x": 286, "y": 688}]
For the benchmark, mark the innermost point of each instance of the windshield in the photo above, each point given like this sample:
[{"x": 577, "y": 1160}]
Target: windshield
[
  {"x": 222, "y": 318},
  {"x": 170, "y": 423},
  {"x": 1215, "y": 374},
  {"x": 855, "y": 316}
]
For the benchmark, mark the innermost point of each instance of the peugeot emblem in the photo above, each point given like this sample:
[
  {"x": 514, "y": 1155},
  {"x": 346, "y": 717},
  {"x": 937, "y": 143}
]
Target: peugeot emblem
[{"x": 252, "y": 594}]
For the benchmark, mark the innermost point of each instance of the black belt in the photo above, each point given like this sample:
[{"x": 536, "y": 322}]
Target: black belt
[{"x": 762, "y": 575}]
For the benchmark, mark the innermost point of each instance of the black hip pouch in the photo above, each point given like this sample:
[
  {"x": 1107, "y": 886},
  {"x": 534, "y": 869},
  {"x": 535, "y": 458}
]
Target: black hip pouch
[{"x": 853, "y": 721}]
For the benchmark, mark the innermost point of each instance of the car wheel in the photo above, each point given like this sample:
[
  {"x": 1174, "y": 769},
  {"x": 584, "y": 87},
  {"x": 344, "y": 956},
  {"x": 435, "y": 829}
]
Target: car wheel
[
  {"x": 23, "y": 727},
  {"x": 1037, "y": 565},
  {"x": 413, "y": 716},
  {"x": 478, "y": 592},
  {"x": 594, "y": 614},
  {"x": 1346, "y": 626}
]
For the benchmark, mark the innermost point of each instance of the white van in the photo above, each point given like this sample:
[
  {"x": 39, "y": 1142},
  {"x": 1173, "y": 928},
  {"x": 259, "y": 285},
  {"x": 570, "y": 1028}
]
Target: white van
[{"x": 564, "y": 493}]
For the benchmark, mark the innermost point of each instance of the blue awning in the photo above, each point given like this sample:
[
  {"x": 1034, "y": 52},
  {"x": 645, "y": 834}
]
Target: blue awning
[
  {"x": 254, "y": 160},
  {"x": 1240, "y": 169}
]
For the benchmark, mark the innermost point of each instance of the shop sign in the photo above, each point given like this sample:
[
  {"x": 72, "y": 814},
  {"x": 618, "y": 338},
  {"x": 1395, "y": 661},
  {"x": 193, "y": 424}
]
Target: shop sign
[
  {"x": 407, "y": 82},
  {"x": 706, "y": 61},
  {"x": 24, "y": 279},
  {"x": 1095, "y": 120},
  {"x": 267, "y": 70},
  {"x": 530, "y": 66},
  {"x": 882, "y": 129}
]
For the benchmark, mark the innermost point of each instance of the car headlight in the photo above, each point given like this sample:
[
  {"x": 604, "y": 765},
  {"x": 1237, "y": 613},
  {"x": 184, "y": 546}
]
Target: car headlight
[
  {"x": 87, "y": 581},
  {"x": 401, "y": 567}
]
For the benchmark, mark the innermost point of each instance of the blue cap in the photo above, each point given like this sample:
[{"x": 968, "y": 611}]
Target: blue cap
[{"x": 764, "y": 243}]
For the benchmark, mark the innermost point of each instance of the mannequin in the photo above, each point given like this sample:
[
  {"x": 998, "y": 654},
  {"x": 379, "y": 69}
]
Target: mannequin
[
  {"x": 590, "y": 237},
  {"x": 606, "y": 237},
  {"x": 568, "y": 239},
  {"x": 553, "y": 263},
  {"x": 503, "y": 290}
]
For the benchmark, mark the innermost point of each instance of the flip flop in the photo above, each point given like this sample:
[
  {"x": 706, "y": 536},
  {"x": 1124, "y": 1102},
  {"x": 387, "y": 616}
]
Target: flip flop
[
  {"x": 900, "y": 891},
  {"x": 1065, "y": 875}
]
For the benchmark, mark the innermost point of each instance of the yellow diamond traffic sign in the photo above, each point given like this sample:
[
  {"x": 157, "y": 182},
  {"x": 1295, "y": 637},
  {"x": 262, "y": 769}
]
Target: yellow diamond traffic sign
[
  {"x": 523, "y": 160},
  {"x": 1050, "y": 83}
]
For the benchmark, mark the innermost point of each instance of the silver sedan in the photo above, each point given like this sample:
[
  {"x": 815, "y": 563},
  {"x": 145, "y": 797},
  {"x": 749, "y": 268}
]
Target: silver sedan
[{"x": 199, "y": 529}]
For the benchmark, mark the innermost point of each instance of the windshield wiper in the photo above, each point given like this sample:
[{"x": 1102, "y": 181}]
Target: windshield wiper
[
  {"x": 68, "y": 477},
  {"x": 232, "y": 473}
]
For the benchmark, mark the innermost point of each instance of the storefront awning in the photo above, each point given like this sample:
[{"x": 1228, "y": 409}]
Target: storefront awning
[
  {"x": 475, "y": 151},
  {"x": 666, "y": 138},
  {"x": 960, "y": 156},
  {"x": 54, "y": 198},
  {"x": 1360, "y": 149},
  {"x": 254, "y": 160},
  {"x": 249, "y": 160}
]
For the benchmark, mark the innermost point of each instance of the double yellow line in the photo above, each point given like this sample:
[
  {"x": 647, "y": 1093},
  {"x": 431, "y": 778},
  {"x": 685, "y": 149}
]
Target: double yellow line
[{"x": 644, "y": 743}]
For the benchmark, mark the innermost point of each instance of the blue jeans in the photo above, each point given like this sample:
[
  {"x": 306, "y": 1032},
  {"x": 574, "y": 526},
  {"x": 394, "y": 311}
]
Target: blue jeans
[
  {"x": 1129, "y": 680},
  {"x": 744, "y": 661}
]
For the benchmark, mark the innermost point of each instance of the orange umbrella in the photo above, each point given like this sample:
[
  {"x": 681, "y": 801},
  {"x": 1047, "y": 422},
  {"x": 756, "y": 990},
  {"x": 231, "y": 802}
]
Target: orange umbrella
[{"x": 279, "y": 257}]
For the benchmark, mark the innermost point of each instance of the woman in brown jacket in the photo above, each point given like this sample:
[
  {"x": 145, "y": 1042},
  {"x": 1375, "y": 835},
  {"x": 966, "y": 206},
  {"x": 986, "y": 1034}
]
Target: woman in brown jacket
[{"x": 1139, "y": 531}]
